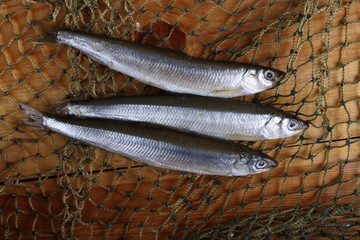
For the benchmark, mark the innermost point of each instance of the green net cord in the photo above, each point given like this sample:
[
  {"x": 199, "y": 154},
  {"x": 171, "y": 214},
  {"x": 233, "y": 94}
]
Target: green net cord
[{"x": 53, "y": 187}]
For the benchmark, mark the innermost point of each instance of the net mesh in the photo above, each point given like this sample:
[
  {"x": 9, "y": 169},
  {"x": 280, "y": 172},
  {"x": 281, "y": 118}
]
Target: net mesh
[{"x": 53, "y": 187}]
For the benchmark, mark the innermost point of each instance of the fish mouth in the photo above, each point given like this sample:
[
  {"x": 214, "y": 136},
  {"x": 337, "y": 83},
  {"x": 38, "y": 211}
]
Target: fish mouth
[
  {"x": 273, "y": 164},
  {"x": 302, "y": 127},
  {"x": 270, "y": 166},
  {"x": 281, "y": 76},
  {"x": 298, "y": 130}
]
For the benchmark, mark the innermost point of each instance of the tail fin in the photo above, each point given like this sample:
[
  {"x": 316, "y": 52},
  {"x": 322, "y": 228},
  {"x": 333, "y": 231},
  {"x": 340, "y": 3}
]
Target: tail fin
[
  {"x": 48, "y": 35},
  {"x": 36, "y": 118},
  {"x": 59, "y": 108}
]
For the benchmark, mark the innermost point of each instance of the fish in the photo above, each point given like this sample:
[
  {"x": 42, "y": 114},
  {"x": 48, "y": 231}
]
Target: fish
[
  {"x": 216, "y": 117},
  {"x": 158, "y": 147},
  {"x": 166, "y": 69}
]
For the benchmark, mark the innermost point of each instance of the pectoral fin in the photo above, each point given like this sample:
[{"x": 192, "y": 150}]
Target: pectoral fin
[
  {"x": 238, "y": 137},
  {"x": 214, "y": 172},
  {"x": 228, "y": 93}
]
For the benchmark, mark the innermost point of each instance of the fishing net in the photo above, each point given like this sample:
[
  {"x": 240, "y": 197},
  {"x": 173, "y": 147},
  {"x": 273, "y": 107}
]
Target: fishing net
[{"x": 53, "y": 187}]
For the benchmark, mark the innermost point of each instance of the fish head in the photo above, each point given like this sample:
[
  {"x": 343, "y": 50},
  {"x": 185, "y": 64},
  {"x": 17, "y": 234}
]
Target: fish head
[
  {"x": 253, "y": 163},
  {"x": 281, "y": 126},
  {"x": 258, "y": 79},
  {"x": 268, "y": 77}
]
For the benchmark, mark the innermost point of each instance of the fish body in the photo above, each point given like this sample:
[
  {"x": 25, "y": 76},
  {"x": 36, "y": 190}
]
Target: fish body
[
  {"x": 170, "y": 70},
  {"x": 159, "y": 147},
  {"x": 220, "y": 118}
]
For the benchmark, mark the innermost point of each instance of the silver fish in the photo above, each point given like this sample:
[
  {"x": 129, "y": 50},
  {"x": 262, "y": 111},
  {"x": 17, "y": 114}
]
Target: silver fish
[
  {"x": 159, "y": 147},
  {"x": 221, "y": 118},
  {"x": 167, "y": 69}
]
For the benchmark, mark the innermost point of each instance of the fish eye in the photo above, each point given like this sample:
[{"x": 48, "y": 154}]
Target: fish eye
[
  {"x": 269, "y": 75},
  {"x": 292, "y": 125},
  {"x": 260, "y": 164}
]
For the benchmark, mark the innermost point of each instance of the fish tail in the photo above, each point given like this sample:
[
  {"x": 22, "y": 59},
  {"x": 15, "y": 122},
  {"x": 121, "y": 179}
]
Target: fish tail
[
  {"x": 48, "y": 34},
  {"x": 36, "y": 117},
  {"x": 60, "y": 108},
  {"x": 44, "y": 39}
]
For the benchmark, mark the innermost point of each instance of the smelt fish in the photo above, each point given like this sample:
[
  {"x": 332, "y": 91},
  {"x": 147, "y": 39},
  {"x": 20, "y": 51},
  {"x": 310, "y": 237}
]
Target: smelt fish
[
  {"x": 167, "y": 69},
  {"x": 221, "y": 118},
  {"x": 159, "y": 147}
]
